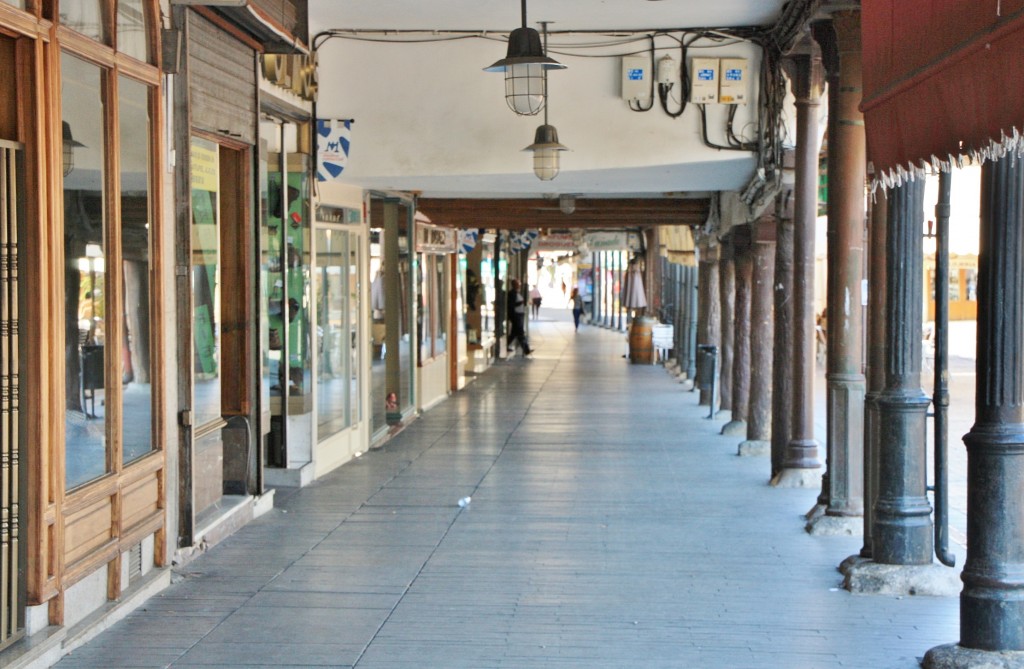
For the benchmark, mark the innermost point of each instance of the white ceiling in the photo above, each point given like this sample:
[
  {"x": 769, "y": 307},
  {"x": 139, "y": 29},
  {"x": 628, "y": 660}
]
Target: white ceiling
[
  {"x": 504, "y": 15},
  {"x": 693, "y": 170}
]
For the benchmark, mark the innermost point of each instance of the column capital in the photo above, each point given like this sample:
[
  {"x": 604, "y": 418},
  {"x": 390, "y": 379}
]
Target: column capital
[{"x": 806, "y": 73}]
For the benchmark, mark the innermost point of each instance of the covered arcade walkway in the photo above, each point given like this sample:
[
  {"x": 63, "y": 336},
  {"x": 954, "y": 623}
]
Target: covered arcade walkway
[{"x": 610, "y": 526}]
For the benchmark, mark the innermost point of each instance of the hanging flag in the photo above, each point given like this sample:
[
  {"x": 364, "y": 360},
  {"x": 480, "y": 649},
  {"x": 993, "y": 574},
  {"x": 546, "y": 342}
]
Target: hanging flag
[
  {"x": 468, "y": 240},
  {"x": 332, "y": 144}
]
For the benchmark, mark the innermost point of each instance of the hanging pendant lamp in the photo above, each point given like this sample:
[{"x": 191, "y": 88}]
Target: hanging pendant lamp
[
  {"x": 524, "y": 66},
  {"x": 545, "y": 147}
]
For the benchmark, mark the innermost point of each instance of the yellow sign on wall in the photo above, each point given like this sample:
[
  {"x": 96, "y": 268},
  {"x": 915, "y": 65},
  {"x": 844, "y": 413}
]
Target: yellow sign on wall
[{"x": 205, "y": 170}]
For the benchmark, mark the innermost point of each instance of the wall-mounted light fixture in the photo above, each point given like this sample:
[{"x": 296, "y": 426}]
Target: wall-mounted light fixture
[
  {"x": 545, "y": 145},
  {"x": 525, "y": 65},
  {"x": 69, "y": 146}
]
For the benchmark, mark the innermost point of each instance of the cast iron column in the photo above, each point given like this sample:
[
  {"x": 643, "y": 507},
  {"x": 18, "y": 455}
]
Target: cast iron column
[
  {"x": 710, "y": 323},
  {"x": 762, "y": 335},
  {"x": 992, "y": 602},
  {"x": 744, "y": 267},
  {"x": 902, "y": 531},
  {"x": 782, "y": 350},
  {"x": 727, "y": 294},
  {"x": 802, "y": 449},
  {"x": 843, "y": 483}
]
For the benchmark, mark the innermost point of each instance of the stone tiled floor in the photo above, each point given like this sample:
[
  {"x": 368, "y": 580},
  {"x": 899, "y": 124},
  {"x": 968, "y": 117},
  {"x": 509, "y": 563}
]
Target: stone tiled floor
[{"x": 610, "y": 526}]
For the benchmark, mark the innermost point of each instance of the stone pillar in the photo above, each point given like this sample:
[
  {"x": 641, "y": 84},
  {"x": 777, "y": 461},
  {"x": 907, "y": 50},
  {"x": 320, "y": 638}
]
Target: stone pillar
[
  {"x": 841, "y": 499},
  {"x": 740, "y": 387},
  {"x": 762, "y": 336},
  {"x": 801, "y": 458},
  {"x": 782, "y": 349},
  {"x": 709, "y": 324},
  {"x": 992, "y": 601},
  {"x": 727, "y": 294}
]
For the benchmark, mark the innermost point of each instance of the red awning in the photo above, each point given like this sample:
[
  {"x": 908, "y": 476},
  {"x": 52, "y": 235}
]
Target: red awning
[{"x": 943, "y": 79}]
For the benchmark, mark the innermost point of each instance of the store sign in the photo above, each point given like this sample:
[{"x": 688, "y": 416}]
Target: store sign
[
  {"x": 435, "y": 239},
  {"x": 555, "y": 241},
  {"x": 296, "y": 73},
  {"x": 341, "y": 215},
  {"x": 612, "y": 241}
]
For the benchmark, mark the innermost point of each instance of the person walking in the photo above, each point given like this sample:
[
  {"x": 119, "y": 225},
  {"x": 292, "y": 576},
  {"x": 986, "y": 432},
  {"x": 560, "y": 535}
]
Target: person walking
[
  {"x": 516, "y": 306},
  {"x": 535, "y": 300},
  {"x": 577, "y": 306}
]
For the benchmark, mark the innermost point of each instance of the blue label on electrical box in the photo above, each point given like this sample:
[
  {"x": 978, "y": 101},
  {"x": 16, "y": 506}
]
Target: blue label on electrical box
[
  {"x": 734, "y": 75},
  {"x": 706, "y": 74},
  {"x": 635, "y": 74}
]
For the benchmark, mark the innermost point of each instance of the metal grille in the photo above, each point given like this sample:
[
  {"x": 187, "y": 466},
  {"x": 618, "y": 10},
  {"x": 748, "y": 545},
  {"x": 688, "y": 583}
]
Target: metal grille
[
  {"x": 11, "y": 586},
  {"x": 134, "y": 563}
]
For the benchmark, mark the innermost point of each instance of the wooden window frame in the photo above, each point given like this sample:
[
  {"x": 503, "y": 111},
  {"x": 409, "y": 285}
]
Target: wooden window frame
[{"x": 74, "y": 533}]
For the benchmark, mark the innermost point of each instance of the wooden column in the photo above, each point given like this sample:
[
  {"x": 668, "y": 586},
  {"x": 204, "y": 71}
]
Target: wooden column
[
  {"x": 744, "y": 269},
  {"x": 782, "y": 348},
  {"x": 762, "y": 339},
  {"x": 802, "y": 449},
  {"x": 842, "y": 486},
  {"x": 727, "y": 298},
  {"x": 876, "y": 359},
  {"x": 709, "y": 321}
]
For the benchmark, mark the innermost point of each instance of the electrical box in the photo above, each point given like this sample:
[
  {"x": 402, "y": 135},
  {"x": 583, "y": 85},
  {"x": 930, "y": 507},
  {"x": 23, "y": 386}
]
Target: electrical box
[
  {"x": 704, "y": 80},
  {"x": 636, "y": 79},
  {"x": 732, "y": 90}
]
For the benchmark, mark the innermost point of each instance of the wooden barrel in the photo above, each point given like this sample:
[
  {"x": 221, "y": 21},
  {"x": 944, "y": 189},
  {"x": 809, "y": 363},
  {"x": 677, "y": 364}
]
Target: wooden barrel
[{"x": 641, "y": 341}]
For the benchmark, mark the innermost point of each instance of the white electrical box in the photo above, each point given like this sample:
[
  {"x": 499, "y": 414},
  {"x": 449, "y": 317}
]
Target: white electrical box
[
  {"x": 704, "y": 80},
  {"x": 636, "y": 79},
  {"x": 732, "y": 90}
]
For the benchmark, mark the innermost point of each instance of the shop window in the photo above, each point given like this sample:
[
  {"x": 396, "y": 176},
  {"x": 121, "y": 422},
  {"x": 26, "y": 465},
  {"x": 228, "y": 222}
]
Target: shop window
[
  {"x": 330, "y": 276},
  {"x": 336, "y": 268},
  {"x": 131, "y": 29},
  {"x": 432, "y": 321},
  {"x": 136, "y": 373},
  {"x": 85, "y": 300},
  {"x": 86, "y": 17}
]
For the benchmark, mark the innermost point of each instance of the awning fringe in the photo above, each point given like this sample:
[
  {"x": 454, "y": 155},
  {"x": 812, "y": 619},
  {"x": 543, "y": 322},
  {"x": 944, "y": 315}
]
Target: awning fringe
[{"x": 996, "y": 150}]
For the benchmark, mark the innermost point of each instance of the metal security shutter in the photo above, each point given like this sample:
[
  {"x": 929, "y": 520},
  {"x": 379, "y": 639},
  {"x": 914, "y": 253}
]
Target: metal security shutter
[{"x": 222, "y": 71}]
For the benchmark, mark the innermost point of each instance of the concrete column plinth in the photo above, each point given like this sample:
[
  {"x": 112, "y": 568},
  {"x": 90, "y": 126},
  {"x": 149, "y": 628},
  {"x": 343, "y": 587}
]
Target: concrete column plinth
[
  {"x": 866, "y": 577},
  {"x": 754, "y": 448},
  {"x": 955, "y": 656}
]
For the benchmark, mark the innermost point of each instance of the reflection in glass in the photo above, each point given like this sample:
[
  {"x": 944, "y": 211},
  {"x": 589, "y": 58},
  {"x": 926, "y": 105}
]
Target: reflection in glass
[
  {"x": 131, "y": 29},
  {"x": 353, "y": 328},
  {"x": 133, "y": 102},
  {"x": 85, "y": 289},
  {"x": 20, "y": 4},
  {"x": 206, "y": 281},
  {"x": 331, "y": 276},
  {"x": 86, "y": 17}
]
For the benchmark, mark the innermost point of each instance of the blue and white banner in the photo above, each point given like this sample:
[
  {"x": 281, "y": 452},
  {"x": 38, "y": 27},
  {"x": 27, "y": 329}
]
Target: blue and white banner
[
  {"x": 332, "y": 144},
  {"x": 468, "y": 239}
]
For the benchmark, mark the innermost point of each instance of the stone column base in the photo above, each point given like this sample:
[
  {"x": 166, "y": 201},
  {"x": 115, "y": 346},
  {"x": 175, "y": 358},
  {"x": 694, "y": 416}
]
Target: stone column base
[
  {"x": 872, "y": 578},
  {"x": 735, "y": 428},
  {"x": 754, "y": 448},
  {"x": 822, "y": 525},
  {"x": 954, "y": 656},
  {"x": 797, "y": 478},
  {"x": 687, "y": 383}
]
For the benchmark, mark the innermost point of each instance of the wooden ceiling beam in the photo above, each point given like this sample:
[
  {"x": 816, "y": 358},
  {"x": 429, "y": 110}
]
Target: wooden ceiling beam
[{"x": 543, "y": 213}]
